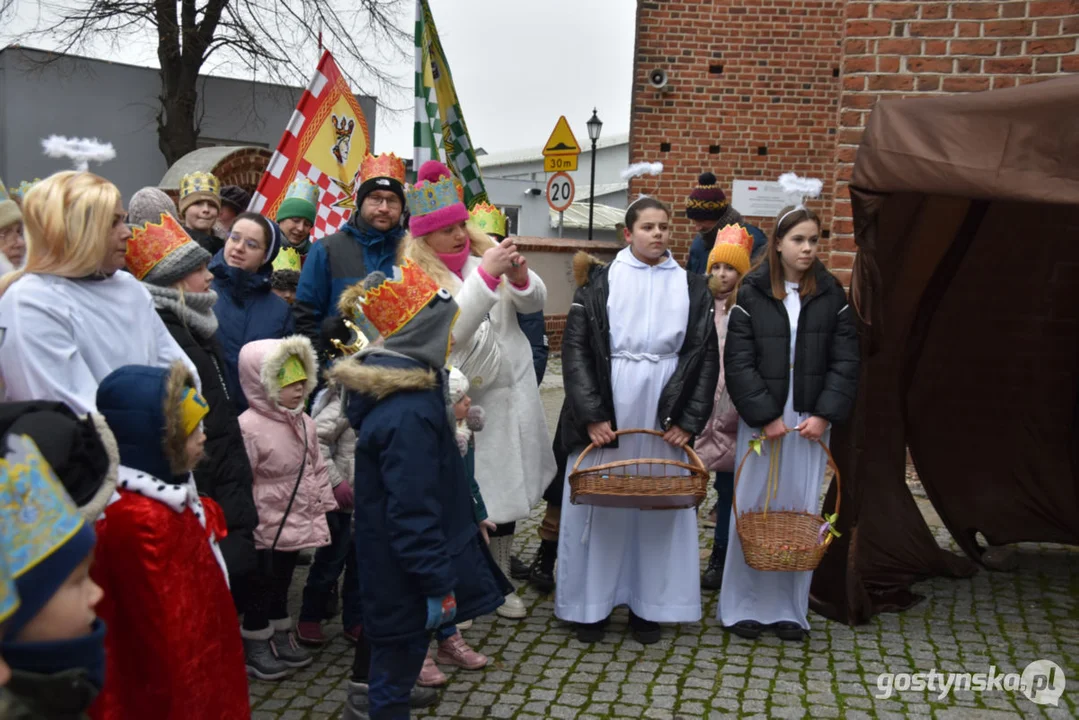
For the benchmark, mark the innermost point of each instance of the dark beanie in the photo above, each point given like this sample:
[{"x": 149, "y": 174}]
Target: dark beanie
[
  {"x": 707, "y": 201},
  {"x": 380, "y": 183},
  {"x": 235, "y": 197}
]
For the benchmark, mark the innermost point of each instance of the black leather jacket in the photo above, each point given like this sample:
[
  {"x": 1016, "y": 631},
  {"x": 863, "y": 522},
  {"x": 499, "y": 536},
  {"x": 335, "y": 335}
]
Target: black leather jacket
[{"x": 686, "y": 400}]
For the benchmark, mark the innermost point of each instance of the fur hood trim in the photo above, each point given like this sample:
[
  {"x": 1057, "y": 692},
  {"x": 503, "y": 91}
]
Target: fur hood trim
[
  {"x": 275, "y": 358},
  {"x": 583, "y": 267},
  {"x": 175, "y": 438},
  {"x": 377, "y": 381},
  {"x": 93, "y": 509},
  {"x": 348, "y": 303}
]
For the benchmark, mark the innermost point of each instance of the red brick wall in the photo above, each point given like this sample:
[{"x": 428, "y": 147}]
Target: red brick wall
[
  {"x": 556, "y": 324},
  {"x": 800, "y": 77},
  {"x": 743, "y": 76}
]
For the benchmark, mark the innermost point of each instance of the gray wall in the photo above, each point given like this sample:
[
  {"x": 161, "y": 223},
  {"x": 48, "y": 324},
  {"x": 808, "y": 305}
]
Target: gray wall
[{"x": 78, "y": 97}]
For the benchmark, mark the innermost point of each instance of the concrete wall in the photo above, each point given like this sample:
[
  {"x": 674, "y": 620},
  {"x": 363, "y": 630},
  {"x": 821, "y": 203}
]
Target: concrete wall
[{"x": 78, "y": 97}]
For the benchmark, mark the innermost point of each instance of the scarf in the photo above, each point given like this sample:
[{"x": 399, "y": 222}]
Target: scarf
[
  {"x": 177, "y": 497},
  {"x": 730, "y": 216},
  {"x": 456, "y": 261},
  {"x": 48, "y": 658},
  {"x": 195, "y": 310},
  {"x": 302, "y": 248},
  {"x": 379, "y": 248}
]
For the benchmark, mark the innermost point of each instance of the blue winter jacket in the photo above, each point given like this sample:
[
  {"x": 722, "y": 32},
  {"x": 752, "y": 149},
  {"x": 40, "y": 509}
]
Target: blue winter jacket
[
  {"x": 246, "y": 310},
  {"x": 416, "y": 536},
  {"x": 534, "y": 327},
  {"x": 701, "y": 246}
]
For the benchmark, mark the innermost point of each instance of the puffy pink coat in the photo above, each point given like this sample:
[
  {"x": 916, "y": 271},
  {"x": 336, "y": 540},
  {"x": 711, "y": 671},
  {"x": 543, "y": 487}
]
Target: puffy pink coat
[
  {"x": 716, "y": 443},
  {"x": 274, "y": 439}
]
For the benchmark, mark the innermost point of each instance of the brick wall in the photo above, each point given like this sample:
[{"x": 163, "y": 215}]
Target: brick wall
[
  {"x": 751, "y": 94},
  {"x": 799, "y": 79},
  {"x": 556, "y": 324}
]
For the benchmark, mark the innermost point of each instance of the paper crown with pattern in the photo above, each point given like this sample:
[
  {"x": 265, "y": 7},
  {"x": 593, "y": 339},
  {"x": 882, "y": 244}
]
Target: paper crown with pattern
[
  {"x": 489, "y": 219},
  {"x": 19, "y": 191},
  {"x": 734, "y": 246},
  {"x": 292, "y": 371},
  {"x": 197, "y": 182},
  {"x": 288, "y": 259},
  {"x": 386, "y": 165},
  {"x": 152, "y": 243},
  {"x": 303, "y": 189},
  {"x": 9, "y": 599},
  {"x": 392, "y": 304},
  {"x": 36, "y": 515},
  {"x": 193, "y": 408},
  {"x": 433, "y": 206}
]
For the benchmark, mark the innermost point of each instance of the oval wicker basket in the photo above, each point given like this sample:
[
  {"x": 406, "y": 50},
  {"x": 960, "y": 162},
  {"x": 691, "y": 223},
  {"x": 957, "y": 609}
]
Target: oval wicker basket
[
  {"x": 782, "y": 540},
  {"x": 636, "y": 483}
]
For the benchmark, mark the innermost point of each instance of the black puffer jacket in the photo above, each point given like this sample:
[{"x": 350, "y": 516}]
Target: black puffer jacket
[
  {"x": 686, "y": 400},
  {"x": 225, "y": 473},
  {"x": 757, "y": 352}
]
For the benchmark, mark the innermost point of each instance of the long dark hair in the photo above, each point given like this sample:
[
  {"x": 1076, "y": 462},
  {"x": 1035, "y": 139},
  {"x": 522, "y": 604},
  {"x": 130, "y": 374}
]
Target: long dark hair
[{"x": 789, "y": 217}]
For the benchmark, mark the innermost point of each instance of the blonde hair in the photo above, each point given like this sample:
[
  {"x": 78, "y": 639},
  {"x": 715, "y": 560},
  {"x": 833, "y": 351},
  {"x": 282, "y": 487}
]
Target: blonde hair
[
  {"x": 417, "y": 249},
  {"x": 67, "y": 218}
]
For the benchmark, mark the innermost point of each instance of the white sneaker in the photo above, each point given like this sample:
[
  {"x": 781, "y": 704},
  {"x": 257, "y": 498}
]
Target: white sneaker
[{"x": 514, "y": 608}]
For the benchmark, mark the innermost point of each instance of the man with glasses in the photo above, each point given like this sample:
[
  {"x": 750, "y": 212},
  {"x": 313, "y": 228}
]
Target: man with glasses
[{"x": 367, "y": 242}]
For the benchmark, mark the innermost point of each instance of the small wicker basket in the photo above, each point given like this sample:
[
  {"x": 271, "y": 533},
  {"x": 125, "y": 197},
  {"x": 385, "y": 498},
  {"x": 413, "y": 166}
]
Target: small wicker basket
[
  {"x": 640, "y": 484},
  {"x": 783, "y": 540}
]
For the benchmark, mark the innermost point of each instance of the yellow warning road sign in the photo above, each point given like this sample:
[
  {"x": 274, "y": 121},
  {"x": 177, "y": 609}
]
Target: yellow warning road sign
[{"x": 561, "y": 151}]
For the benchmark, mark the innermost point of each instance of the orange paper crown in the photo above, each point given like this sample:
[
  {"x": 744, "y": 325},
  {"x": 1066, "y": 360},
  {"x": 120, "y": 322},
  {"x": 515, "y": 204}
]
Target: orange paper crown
[
  {"x": 392, "y": 304},
  {"x": 151, "y": 244},
  {"x": 386, "y": 165}
]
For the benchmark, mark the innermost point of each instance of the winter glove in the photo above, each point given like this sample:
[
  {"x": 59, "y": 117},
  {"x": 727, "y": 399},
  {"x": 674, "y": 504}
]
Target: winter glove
[
  {"x": 476, "y": 418},
  {"x": 343, "y": 495},
  {"x": 441, "y": 611}
]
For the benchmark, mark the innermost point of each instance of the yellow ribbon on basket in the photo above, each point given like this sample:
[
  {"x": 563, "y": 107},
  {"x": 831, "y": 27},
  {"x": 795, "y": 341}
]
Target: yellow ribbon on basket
[{"x": 773, "y": 474}]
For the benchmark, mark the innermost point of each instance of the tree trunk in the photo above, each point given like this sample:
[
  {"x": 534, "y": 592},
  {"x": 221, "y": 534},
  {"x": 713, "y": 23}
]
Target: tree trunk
[{"x": 177, "y": 131}]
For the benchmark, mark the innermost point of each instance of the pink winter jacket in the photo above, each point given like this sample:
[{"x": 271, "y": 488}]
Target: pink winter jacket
[
  {"x": 716, "y": 442},
  {"x": 273, "y": 437}
]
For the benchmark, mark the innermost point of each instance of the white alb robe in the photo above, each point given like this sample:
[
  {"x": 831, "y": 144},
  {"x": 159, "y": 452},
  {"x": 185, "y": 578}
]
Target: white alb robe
[
  {"x": 771, "y": 597},
  {"x": 646, "y": 559}
]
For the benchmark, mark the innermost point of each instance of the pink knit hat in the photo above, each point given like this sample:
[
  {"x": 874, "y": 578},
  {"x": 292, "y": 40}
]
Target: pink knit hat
[{"x": 434, "y": 202}]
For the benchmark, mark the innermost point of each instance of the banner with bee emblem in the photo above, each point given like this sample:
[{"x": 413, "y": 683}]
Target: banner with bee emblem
[{"x": 325, "y": 142}]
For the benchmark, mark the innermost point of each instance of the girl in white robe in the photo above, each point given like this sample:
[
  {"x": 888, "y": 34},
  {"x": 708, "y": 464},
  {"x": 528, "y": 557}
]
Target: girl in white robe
[
  {"x": 791, "y": 366},
  {"x": 639, "y": 351}
]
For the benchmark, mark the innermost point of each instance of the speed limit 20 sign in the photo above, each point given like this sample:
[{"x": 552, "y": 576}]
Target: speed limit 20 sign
[{"x": 560, "y": 191}]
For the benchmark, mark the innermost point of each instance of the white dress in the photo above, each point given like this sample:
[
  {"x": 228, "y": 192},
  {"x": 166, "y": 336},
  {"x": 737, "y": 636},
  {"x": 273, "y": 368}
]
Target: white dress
[
  {"x": 646, "y": 559},
  {"x": 771, "y": 597}
]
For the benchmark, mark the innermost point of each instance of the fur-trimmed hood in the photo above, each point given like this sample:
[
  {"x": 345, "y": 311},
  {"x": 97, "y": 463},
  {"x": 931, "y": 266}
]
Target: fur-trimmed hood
[
  {"x": 584, "y": 265},
  {"x": 141, "y": 405},
  {"x": 262, "y": 360},
  {"x": 380, "y": 381}
]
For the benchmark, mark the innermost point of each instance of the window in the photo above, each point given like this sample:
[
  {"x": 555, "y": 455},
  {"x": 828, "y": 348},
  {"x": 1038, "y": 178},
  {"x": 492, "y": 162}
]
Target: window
[{"x": 512, "y": 213}]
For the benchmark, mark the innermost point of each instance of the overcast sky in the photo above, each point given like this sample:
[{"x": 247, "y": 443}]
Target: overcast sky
[{"x": 517, "y": 66}]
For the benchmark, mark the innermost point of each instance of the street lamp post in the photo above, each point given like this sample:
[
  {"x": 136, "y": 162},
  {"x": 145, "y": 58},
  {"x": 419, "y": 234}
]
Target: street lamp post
[{"x": 594, "y": 126}]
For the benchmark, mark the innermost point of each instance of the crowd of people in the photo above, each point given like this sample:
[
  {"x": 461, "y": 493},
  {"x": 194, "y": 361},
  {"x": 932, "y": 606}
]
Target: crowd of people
[{"x": 195, "y": 395}]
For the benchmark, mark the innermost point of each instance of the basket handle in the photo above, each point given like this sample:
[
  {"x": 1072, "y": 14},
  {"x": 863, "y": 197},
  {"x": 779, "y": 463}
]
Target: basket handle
[
  {"x": 693, "y": 458},
  {"x": 831, "y": 462}
]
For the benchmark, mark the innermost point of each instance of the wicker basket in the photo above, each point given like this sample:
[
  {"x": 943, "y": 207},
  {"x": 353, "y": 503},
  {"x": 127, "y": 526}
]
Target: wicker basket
[
  {"x": 782, "y": 540},
  {"x": 642, "y": 484}
]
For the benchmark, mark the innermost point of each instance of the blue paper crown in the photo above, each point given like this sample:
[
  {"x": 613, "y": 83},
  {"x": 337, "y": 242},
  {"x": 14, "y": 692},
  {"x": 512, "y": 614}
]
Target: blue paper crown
[
  {"x": 9, "y": 599},
  {"x": 425, "y": 198},
  {"x": 303, "y": 189},
  {"x": 36, "y": 515}
]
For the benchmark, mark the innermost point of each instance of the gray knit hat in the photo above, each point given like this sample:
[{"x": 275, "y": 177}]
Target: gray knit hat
[
  {"x": 177, "y": 265},
  {"x": 148, "y": 205}
]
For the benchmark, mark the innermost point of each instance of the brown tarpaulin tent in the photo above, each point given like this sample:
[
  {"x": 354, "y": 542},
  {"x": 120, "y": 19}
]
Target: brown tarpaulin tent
[{"x": 966, "y": 214}]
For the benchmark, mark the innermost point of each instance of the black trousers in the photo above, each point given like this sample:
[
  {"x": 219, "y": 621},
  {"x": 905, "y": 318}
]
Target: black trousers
[{"x": 268, "y": 588}]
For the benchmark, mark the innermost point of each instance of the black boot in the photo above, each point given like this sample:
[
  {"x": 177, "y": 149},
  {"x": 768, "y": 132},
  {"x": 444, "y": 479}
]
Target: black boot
[
  {"x": 712, "y": 578},
  {"x": 518, "y": 569},
  {"x": 644, "y": 631},
  {"x": 541, "y": 573}
]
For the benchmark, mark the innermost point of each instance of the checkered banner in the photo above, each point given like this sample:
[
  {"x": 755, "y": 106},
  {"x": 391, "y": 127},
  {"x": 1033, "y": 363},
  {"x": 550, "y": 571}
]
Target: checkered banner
[
  {"x": 439, "y": 120},
  {"x": 325, "y": 142}
]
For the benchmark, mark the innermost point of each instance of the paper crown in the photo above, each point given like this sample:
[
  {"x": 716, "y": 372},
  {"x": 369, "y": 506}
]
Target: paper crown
[
  {"x": 425, "y": 198},
  {"x": 489, "y": 219},
  {"x": 386, "y": 165},
  {"x": 392, "y": 304},
  {"x": 193, "y": 408},
  {"x": 9, "y": 599},
  {"x": 19, "y": 192},
  {"x": 199, "y": 182},
  {"x": 292, "y": 371},
  {"x": 303, "y": 189},
  {"x": 36, "y": 515},
  {"x": 152, "y": 243},
  {"x": 287, "y": 259},
  {"x": 734, "y": 246}
]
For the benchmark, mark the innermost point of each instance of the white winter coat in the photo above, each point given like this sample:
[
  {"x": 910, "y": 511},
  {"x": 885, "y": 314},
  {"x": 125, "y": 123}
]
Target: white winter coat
[{"x": 336, "y": 438}]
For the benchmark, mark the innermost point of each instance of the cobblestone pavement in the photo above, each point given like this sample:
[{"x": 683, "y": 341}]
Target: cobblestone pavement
[{"x": 539, "y": 670}]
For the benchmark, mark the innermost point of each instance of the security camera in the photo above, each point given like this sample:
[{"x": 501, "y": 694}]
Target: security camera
[
  {"x": 533, "y": 192},
  {"x": 658, "y": 78}
]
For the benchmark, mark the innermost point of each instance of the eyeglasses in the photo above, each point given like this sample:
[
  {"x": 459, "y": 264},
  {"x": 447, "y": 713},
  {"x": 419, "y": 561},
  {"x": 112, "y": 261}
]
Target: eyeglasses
[
  {"x": 392, "y": 202},
  {"x": 252, "y": 245}
]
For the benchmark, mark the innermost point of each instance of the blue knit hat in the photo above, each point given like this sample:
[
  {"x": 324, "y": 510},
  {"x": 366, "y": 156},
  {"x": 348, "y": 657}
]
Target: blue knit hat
[{"x": 42, "y": 534}]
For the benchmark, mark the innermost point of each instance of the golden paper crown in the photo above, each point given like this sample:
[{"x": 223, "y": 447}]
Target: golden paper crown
[
  {"x": 386, "y": 165},
  {"x": 391, "y": 305},
  {"x": 9, "y": 599},
  {"x": 489, "y": 219},
  {"x": 292, "y": 371},
  {"x": 199, "y": 182},
  {"x": 193, "y": 408},
  {"x": 152, "y": 243},
  {"x": 287, "y": 259}
]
